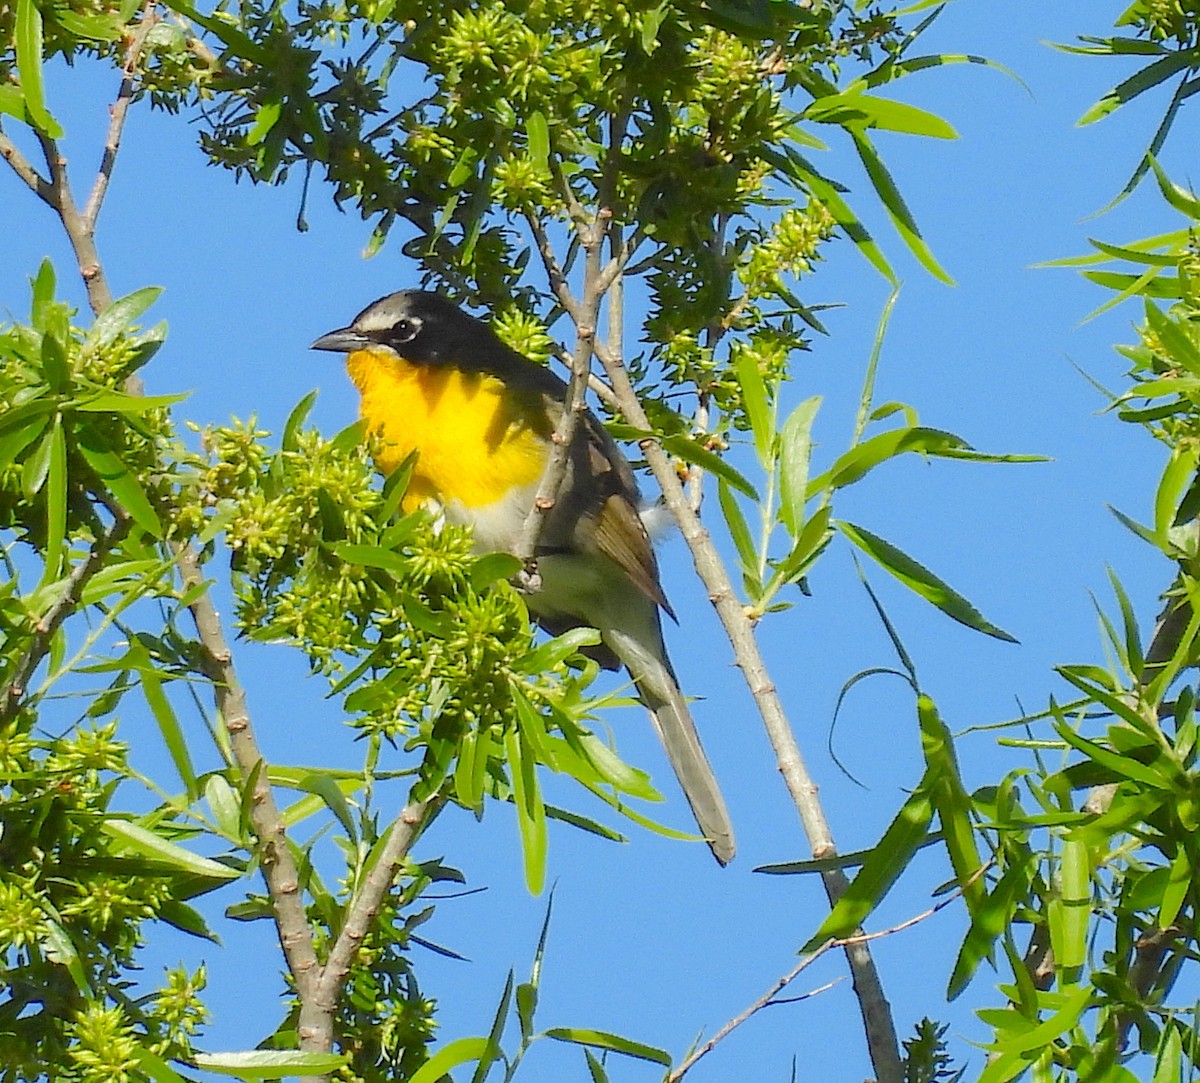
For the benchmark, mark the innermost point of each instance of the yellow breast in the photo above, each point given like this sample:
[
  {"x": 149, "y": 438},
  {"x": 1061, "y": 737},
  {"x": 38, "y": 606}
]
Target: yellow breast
[{"x": 476, "y": 439}]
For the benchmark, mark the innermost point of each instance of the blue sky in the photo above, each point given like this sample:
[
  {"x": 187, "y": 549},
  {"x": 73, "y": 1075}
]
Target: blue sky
[{"x": 651, "y": 939}]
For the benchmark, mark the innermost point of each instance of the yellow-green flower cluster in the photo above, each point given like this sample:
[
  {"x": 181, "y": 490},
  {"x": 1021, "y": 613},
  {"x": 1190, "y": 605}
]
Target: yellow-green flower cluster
[
  {"x": 104, "y": 1045},
  {"x": 791, "y": 248}
]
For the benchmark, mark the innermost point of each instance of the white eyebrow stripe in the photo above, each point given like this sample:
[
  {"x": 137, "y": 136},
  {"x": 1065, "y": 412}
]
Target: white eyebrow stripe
[{"x": 382, "y": 319}]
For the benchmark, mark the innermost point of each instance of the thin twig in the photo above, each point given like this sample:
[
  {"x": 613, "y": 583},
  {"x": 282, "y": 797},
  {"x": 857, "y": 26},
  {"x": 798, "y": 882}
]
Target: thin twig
[
  {"x": 52, "y": 619},
  {"x": 584, "y": 313},
  {"x": 118, "y": 111},
  {"x": 24, "y": 169},
  {"x": 318, "y": 1009},
  {"x": 80, "y": 234},
  {"x": 769, "y": 998}
]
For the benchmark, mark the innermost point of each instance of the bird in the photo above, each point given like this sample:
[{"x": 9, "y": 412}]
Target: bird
[{"x": 481, "y": 416}]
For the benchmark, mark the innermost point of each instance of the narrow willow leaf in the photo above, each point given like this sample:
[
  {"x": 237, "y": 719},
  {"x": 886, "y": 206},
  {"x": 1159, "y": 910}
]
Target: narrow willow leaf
[
  {"x": 691, "y": 451},
  {"x": 1070, "y": 917},
  {"x": 1138, "y": 83},
  {"x": 849, "y": 223},
  {"x": 795, "y": 452},
  {"x": 1011, "y": 1061},
  {"x": 739, "y": 531},
  {"x": 756, "y": 403},
  {"x": 897, "y": 209},
  {"x": 531, "y": 814},
  {"x": 291, "y": 428},
  {"x": 155, "y": 1068},
  {"x": 59, "y": 948},
  {"x": 537, "y": 133},
  {"x": 272, "y": 1063},
  {"x": 372, "y": 556},
  {"x": 858, "y": 112},
  {"x": 28, "y": 43},
  {"x": 922, "y": 581},
  {"x": 56, "y": 503},
  {"x": 951, "y": 802},
  {"x": 880, "y": 870},
  {"x": 119, "y": 317},
  {"x": 139, "y": 840},
  {"x": 1178, "y": 888},
  {"x": 168, "y": 724},
  {"x": 614, "y": 1043},
  {"x": 1179, "y": 198},
  {"x": 267, "y": 117},
  {"x": 119, "y": 480},
  {"x": 1168, "y": 1062},
  {"x": 494, "y": 1050}
]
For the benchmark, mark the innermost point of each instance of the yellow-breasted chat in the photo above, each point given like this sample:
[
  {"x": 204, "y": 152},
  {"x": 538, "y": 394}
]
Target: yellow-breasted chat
[{"x": 480, "y": 417}]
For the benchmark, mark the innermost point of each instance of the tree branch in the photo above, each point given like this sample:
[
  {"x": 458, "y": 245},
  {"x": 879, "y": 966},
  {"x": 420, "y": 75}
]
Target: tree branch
[
  {"x": 275, "y": 857},
  {"x": 877, "y": 1017},
  {"x": 24, "y": 169},
  {"x": 319, "y": 1008}
]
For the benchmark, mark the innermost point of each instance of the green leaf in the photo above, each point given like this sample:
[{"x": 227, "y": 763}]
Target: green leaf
[
  {"x": 15, "y": 440},
  {"x": 493, "y": 567},
  {"x": 950, "y": 801},
  {"x": 450, "y": 1056},
  {"x": 372, "y": 556},
  {"x": 494, "y": 1050},
  {"x": 1168, "y": 1062},
  {"x": 1012, "y": 1049},
  {"x": 1178, "y": 888},
  {"x": 56, "y": 501},
  {"x": 795, "y": 452},
  {"x": 554, "y": 651},
  {"x": 880, "y": 870},
  {"x": 537, "y": 133},
  {"x": 273, "y": 1063},
  {"x": 265, "y": 119},
  {"x": 28, "y": 44},
  {"x": 921, "y": 581},
  {"x": 59, "y": 948},
  {"x": 756, "y": 402},
  {"x": 1177, "y": 477},
  {"x": 12, "y": 103},
  {"x": 1123, "y": 767},
  {"x": 168, "y": 722},
  {"x": 119, "y": 317},
  {"x": 137, "y": 839},
  {"x": 531, "y": 813},
  {"x": 291, "y": 428},
  {"x": 1070, "y": 913},
  {"x": 157, "y": 1069},
  {"x": 849, "y": 222},
  {"x": 117, "y": 402},
  {"x": 1179, "y": 198},
  {"x": 1150, "y": 76},
  {"x": 225, "y": 804},
  {"x": 857, "y": 112},
  {"x": 691, "y": 451},
  {"x": 614, "y": 1043},
  {"x": 119, "y": 480},
  {"x": 739, "y": 531},
  {"x": 897, "y": 209}
]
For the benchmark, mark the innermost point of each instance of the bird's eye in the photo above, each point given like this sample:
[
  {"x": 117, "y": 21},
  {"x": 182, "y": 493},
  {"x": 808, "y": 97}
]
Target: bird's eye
[{"x": 405, "y": 330}]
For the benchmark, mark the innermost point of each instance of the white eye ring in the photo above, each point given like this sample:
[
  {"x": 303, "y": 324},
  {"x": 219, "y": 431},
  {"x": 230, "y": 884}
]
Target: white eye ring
[{"x": 406, "y": 329}]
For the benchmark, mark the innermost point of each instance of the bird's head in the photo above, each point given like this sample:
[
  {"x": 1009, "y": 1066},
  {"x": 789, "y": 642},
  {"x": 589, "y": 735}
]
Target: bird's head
[{"x": 422, "y": 327}]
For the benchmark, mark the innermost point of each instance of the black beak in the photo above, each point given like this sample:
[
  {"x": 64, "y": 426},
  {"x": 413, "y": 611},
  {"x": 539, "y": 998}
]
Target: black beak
[{"x": 346, "y": 340}]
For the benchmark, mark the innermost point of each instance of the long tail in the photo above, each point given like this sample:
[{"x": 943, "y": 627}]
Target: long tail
[{"x": 651, "y": 671}]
